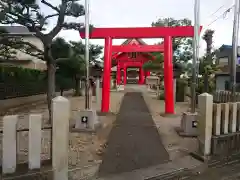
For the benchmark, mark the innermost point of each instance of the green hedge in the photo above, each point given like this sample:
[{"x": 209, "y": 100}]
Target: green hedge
[{"x": 19, "y": 82}]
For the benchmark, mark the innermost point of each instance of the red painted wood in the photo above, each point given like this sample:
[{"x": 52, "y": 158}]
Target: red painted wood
[
  {"x": 141, "y": 32},
  {"x": 168, "y": 75},
  {"x": 138, "y": 48},
  {"x": 106, "y": 75}
]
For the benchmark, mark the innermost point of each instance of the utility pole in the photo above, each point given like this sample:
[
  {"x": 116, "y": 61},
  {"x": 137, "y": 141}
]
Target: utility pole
[
  {"x": 234, "y": 49},
  {"x": 87, "y": 83},
  {"x": 195, "y": 54}
]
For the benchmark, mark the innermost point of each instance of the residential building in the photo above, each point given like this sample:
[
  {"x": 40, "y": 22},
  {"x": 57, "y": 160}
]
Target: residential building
[
  {"x": 22, "y": 59},
  {"x": 224, "y": 57}
]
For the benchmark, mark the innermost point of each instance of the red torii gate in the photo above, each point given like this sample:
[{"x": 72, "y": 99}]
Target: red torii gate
[
  {"x": 134, "y": 48},
  {"x": 140, "y": 32}
]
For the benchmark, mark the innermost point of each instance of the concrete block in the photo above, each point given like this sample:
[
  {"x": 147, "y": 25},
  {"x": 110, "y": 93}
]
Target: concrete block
[
  {"x": 188, "y": 125},
  {"x": 120, "y": 88},
  {"x": 88, "y": 120},
  {"x": 9, "y": 156},
  {"x": 35, "y": 143},
  {"x": 60, "y": 137}
]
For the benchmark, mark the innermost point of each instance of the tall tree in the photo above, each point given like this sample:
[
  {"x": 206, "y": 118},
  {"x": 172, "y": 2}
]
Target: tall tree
[
  {"x": 94, "y": 51},
  {"x": 29, "y": 14},
  {"x": 70, "y": 60},
  {"x": 182, "y": 47},
  {"x": 208, "y": 37}
]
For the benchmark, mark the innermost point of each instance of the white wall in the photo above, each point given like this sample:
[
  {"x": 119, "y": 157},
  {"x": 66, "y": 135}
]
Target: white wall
[{"x": 34, "y": 41}]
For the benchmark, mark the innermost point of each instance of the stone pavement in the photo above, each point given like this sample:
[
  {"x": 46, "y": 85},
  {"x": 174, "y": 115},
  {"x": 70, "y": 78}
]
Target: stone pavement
[{"x": 134, "y": 141}]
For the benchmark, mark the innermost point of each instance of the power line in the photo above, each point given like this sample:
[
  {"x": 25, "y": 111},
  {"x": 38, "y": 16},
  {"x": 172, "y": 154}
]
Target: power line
[
  {"x": 222, "y": 16},
  {"x": 217, "y": 10}
]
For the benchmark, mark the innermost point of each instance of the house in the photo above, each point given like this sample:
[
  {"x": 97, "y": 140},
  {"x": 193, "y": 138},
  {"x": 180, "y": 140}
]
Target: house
[
  {"x": 22, "y": 59},
  {"x": 224, "y": 63}
]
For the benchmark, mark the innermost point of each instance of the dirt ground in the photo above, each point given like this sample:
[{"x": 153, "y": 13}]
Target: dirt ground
[
  {"x": 84, "y": 148},
  {"x": 176, "y": 145}
]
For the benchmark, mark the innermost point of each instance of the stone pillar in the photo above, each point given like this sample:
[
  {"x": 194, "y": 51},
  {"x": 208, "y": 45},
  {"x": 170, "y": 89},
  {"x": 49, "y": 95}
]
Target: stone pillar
[
  {"x": 35, "y": 141},
  {"x": 98, "y": 92},
  {"x": 205, "y": 114},
  {"x": 60, "y": 142},
  {"x": 174, "y": 89},
  {"x": 9, "y": 146}
]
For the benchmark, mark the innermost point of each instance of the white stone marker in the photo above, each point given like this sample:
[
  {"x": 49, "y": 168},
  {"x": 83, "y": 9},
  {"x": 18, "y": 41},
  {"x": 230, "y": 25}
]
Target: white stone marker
[
  {"x": 35, "y": 143},
  {"x": 60, "y": 141},
  {"x": 98, "y": 93},
  {"x": 205, "y": 104},
  {"x": 9, "y": 161}
]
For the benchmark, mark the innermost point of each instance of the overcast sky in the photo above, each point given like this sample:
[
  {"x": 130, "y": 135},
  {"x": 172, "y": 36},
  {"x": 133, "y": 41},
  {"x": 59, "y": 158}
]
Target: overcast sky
[{"x": 137, "y": 13}]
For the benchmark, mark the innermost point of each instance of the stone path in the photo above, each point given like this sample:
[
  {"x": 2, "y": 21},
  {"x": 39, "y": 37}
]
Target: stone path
[{"x": 134, "y": 141}]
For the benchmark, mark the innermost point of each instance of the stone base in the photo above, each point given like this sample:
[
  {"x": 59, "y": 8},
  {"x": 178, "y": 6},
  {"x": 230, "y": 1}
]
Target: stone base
[
  {"x": 168, "y": 115},
  {"x": 87, "y": 121},
  {"x": 188, "y": 126},
  {"x": 99, "y": 113}
]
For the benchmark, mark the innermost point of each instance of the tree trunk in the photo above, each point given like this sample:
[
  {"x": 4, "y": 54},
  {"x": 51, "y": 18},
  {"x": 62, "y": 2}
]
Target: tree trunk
[
  {"x": 61, "y": 92},
  {"x": 206, "y": 89},
  {"x": 77, "y": 87},
  {"x": 51, "y": 69}
]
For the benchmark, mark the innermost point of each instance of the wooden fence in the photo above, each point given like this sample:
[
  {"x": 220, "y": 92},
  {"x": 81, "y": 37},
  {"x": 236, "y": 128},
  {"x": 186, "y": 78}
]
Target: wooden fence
[
  {"x": 59, "y": 142},
  {"x": 224, "y": 96},
  {"x": 218, "y": 125}
]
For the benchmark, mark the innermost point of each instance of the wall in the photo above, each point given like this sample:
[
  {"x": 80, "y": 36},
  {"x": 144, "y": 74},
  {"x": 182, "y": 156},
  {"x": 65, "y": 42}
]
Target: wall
[
  {"x": 220, "y": 82},
  {"x": 36, "y": 63}
]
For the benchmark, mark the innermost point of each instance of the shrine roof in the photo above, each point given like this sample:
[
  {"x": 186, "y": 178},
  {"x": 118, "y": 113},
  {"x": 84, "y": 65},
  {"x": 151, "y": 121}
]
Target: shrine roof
[{"x": 128, "y": 41}]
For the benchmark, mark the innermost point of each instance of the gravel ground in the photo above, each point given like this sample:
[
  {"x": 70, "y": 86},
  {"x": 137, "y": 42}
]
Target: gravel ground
[{"x": 85, "y": 149}]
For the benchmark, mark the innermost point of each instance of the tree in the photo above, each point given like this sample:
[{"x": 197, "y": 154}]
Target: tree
[
  {"x": 156, "y": 64},
  {"x": 29, "y": 14},
  {"x": 70, "y": 60},
  {"x": 94, "y": 51},
  {"x": 78, "y": 49},
  {"x": 207, "y": 66},
  {"x": 208, "y": 37},
  {"x": 182, "y": 47}
]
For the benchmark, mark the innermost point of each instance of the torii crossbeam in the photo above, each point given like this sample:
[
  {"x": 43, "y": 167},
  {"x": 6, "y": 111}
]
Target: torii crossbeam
[{"x": 138, "y": 48}]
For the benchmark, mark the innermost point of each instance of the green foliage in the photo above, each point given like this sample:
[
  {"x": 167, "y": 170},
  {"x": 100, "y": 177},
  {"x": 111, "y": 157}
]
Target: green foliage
[
  {"x": 78, "y": 49},
  {"x": 181, "y": 85},
  {"x": 154, "y": 65},
  {"x": 207, "y": 65},
  {"x": 18, "y": 74},
  {"x": 182, "y": 47},
  {"x": 60, "y": 49}
]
